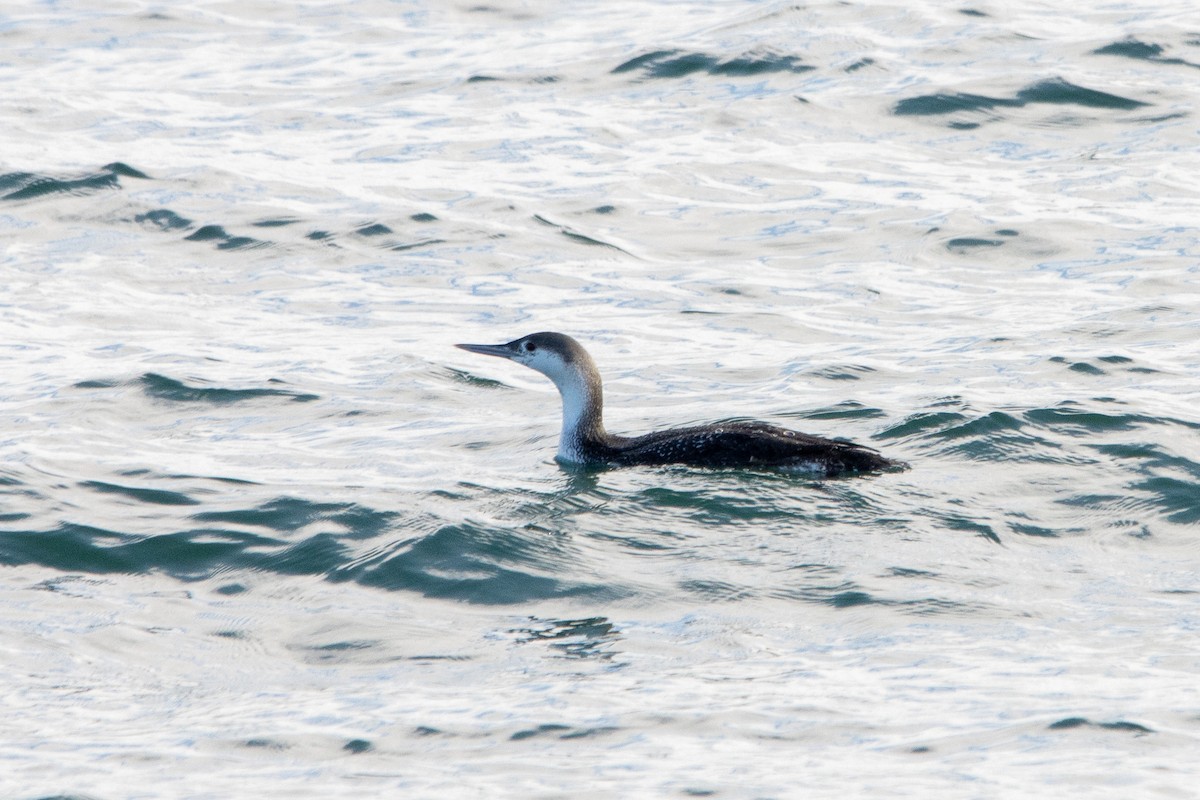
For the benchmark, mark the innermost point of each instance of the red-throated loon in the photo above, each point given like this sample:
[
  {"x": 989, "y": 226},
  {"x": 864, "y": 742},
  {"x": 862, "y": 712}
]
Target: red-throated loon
[{"x": 729, "y": 444}]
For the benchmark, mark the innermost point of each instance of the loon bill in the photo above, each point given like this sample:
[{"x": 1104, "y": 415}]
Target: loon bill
[{"x": 733, "y": 444}]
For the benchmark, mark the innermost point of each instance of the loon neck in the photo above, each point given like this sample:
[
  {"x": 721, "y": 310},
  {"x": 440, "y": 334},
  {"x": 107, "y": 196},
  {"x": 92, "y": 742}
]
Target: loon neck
[{"x": 583, "y": 411}]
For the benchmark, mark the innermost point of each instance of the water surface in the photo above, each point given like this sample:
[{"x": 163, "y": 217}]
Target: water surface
[{"x": 265, "y": 531}]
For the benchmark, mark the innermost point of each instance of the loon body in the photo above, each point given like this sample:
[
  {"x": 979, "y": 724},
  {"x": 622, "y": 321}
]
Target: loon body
[{"x": 733, "y": 444}]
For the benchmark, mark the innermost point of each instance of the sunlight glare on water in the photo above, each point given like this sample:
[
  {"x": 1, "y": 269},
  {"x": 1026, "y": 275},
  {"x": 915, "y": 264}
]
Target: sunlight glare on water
[{"x": 264, "y": 531}]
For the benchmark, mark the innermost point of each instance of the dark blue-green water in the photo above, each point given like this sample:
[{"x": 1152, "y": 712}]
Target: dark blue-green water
[{"x": 265, "y": 532}]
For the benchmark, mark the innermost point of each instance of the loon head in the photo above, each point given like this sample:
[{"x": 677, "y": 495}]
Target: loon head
[
  {"x": 557, "y": 356},
  {"x": 564, "y": 361}
]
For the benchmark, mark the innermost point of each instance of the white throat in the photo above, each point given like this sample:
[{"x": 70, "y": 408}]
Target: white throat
[{"x": 577, "y": 413}]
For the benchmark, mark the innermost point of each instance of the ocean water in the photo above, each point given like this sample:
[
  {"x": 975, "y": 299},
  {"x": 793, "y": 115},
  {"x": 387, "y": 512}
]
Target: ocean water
[{"x": 264, "y": 532}]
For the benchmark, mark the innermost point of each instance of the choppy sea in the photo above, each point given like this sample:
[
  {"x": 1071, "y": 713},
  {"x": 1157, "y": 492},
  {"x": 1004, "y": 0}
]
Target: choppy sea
[{"x": 264, "y": 532}]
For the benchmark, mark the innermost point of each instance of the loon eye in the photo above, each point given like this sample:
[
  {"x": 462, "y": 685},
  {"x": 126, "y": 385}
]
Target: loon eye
[{"x": 530, "y": 347}]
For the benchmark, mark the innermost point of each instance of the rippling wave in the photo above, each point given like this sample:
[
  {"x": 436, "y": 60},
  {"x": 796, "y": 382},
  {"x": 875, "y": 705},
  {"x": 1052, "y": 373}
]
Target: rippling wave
[
  {"x": 257, "y": 510},
  {"x": 679, "y": 64},
  {"x": 1053, "y": 92},
  {"x": 544, "y": 547},
  {"x": 15, "y": 186}
]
